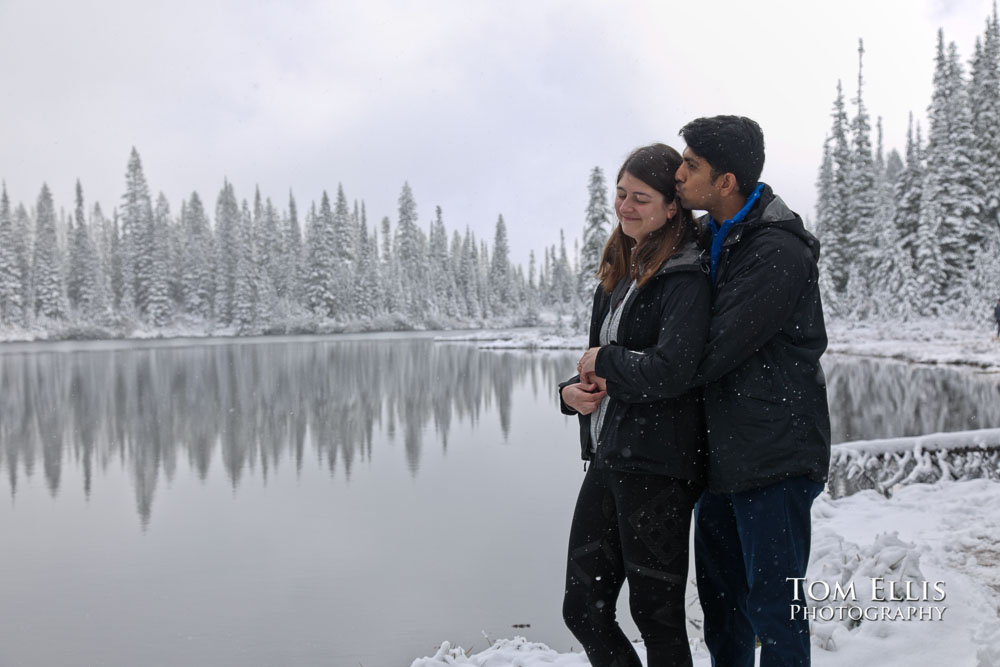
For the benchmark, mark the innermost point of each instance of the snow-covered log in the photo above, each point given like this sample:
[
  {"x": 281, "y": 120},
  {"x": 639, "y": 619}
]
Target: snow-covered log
[{"x": 884, "y": 464}]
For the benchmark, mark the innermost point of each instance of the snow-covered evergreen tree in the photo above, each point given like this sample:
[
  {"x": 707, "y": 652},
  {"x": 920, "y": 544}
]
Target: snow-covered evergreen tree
[
  {"x": 47, "y": 265},
  {"x": 270, "y": 274},
  {"x": 227, "y": 243},
  {"x": 862, "y": 201},
  {"x": 501, "y": 289},
  {"x": 116, "y": 266},
  {"x": 321, "y": 291},
  {"x": 532, "y": 293},
  {"x": 368, "y": 290},
  {"x": 81, "y": 278},
  {"x": 907, "y": 188},
  {"x": 862, "y": 204},
  {"x": 546, "y": 286},
  {"x": 596, "y": 228},
  {"x": 984, "y": 100},
  {"x": 344, "y": 244},
  {"x": 245, "y": 298},
  {"x": 948, "y": 202},
  {"x": 890, "y": 263},
  {"x": 175, "y": 259},
  {"x": 442, "y": 274},
  {"x": 100, "y": 229},
  {"x": 483, "y": 269},
  {"x": 264, "y": 241},
  {"x": 966, "y": 180},
  {"x": 410, "y": 253},
  {"x": 11, "y": 287},
  {"x": 907, "y": 194},
  {"x": 391, "y": 282},
  {"x": 23, "y": 252},
  {"x": 197, "y": 261},
  {"x": 158, "y": 306},
  {"x": 563, "y": 273},
  {"x": 136, "y": 237},
  {"x": 468, "y": 278},
  {"x": 839, "y": 228},
  {"x": 455, "y": 270},
  {"x": 290, "y": 284}
]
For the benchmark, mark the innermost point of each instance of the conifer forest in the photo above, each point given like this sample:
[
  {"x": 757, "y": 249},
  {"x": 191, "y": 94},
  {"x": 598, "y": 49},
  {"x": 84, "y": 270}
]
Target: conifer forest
[
  {"x": 916, "y": 235},
  {"x": 254, "y": 269}
]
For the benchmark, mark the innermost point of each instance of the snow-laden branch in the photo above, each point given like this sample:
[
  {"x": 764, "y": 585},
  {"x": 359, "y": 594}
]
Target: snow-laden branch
[{"x": 884, "y": 464}]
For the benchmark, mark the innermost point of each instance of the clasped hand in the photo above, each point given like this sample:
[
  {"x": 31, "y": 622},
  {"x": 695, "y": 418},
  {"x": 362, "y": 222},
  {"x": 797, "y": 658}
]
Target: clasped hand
[{"x": 586, "y": 395}]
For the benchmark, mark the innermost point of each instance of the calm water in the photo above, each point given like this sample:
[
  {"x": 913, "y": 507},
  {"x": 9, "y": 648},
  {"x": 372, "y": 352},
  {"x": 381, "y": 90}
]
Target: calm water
[{"x": 317, "y": 501}]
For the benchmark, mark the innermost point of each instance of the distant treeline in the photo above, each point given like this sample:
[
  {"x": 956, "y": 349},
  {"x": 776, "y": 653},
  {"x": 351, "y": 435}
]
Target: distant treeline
[{"x": 254, "y": 269}]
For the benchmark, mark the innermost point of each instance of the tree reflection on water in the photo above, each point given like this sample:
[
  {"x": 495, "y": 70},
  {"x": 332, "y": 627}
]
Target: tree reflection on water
[{"x": 255, "y": 405}]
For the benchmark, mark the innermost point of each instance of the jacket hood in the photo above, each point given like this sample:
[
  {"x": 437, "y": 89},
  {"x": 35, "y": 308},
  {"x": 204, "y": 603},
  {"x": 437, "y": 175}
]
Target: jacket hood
[
  {"x": 771, "y": 211},
  {"x": 689, "y": 257}
]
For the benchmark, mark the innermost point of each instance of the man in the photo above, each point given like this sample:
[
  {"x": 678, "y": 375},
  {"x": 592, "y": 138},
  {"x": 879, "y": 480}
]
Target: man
[{"x": 765, "y": 399}]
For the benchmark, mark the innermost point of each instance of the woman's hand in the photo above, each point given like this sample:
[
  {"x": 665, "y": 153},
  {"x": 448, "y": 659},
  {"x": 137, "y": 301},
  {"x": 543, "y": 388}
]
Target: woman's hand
[
  {"x": 587, "y": 364},
  {"x": 584, "y": 397},
  {"x": 591, "y": 378}
]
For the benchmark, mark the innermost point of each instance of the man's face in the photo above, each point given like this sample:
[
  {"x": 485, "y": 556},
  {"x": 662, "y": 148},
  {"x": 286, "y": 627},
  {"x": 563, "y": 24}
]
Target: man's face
[{"x": 695, "y": 185}]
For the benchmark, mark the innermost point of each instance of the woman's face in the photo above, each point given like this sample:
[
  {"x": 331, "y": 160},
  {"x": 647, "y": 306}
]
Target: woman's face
[{"x": 640, "y": 208}]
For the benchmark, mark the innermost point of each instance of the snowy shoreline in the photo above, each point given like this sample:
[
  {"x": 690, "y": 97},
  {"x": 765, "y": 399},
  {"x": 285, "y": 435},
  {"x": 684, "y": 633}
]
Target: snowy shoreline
[
  {"x": 929, "y": 342},
  {"x": 938, "y": 541}
]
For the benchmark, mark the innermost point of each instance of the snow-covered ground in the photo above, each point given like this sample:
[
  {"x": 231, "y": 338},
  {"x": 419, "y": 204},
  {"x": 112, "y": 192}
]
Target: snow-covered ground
[
  {"x": 923, "y": 341},
  {"x": 942, "y": 537},
  {"x": 946, "y": 534}
]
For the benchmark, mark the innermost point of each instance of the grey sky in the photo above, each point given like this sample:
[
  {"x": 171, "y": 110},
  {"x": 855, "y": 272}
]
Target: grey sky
[{"x": 485, "y": 108}]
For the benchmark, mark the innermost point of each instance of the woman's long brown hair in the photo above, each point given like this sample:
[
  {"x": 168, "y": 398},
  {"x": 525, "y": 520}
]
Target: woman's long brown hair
[{"x": 654, "y": 165}]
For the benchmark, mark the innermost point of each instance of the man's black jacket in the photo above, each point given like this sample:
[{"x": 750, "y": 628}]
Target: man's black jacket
[
  {"x": 655, "y": 421},
  {"x": 765, "y": 392}
]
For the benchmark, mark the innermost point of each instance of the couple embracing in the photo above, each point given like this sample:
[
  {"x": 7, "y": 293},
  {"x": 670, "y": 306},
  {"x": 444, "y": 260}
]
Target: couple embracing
[{"x": 702, "y": 391}]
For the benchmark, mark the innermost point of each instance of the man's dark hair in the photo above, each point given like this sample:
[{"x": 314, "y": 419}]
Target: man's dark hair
[{"x": 730, "y": 144}]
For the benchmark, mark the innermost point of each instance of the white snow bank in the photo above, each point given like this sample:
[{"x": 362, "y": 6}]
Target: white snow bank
[
  {"x": 944, "y": 534},
  {"x": 519, "y": 652},
  {"x": 923, "y": 341},
  {"x": 947, "y": 535},
  {"x": 855, "y": 592},
  {"x": 526, "y": 339}
]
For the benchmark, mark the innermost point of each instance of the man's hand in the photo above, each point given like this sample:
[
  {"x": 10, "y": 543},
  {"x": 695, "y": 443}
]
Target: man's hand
[{"x": 584, "y": 397}]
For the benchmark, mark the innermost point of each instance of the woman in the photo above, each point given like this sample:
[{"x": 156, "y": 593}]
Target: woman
[{"x": 641, "y": 426}]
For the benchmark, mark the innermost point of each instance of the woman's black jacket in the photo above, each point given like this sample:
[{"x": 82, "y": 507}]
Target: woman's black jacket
[{"x": 655, "y": 423}]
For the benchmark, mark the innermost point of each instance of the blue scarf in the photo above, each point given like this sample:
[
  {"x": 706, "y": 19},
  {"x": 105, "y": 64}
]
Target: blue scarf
[{"x": 719, "y": 232}]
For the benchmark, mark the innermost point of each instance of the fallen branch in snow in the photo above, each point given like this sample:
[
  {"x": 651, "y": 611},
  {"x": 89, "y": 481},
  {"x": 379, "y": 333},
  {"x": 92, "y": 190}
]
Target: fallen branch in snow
[{"x": 885, "y": 464}]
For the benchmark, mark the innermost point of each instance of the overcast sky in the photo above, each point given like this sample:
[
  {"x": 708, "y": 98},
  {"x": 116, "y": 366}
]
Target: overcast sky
[{"x": 484, "y": 107}]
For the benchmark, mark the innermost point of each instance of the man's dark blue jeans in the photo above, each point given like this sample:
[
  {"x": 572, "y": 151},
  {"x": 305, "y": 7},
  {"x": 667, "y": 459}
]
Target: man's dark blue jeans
[{"x": 747, "y": 545}]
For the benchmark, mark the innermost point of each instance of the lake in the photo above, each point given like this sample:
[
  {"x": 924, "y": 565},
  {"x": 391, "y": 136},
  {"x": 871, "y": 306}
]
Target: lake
[{"x": 318, "y": 501}]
